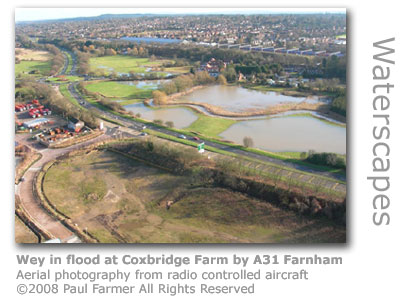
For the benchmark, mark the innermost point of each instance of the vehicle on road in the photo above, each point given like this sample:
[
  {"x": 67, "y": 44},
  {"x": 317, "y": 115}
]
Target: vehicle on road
[
  {"x": 196, "y": 138},
  {"x": 182, "y": 136},
  {"x": 144, "y": 134},
  {"x": 143, "y": 127}
]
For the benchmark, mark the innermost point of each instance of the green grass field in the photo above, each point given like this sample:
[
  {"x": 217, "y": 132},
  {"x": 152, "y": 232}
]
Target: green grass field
[
  {"x": 210, "y": 126},
  {"x": 70, "y": 63},
  {"x": 121, "y": 200},
  {"x": 65, "y": 92},
  {"x": 178, "y": 69},
  {"x": 123, "y": 64},
  {"x": 66, "y": 79},
  {"x": 25, "y": 67},
  {"x": 118, "y": 90}
]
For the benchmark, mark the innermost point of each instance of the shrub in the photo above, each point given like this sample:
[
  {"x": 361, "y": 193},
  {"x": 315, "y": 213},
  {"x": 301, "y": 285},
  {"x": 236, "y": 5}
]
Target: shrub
[
  {"x": 248, "y": 142},
  {"x": 158, "y": 122},
  {"x": 169, "y": 124},
  {"x": 159, "y": 97},
  {"x": 327, "y": 159}
]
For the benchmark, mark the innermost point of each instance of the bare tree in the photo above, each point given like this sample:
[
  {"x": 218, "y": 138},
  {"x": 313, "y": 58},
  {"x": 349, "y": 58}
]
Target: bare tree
[{"x": 248, "y": 141}]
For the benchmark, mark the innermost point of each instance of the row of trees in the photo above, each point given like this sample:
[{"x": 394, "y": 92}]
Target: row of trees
[
  {"x": 326, "y": 159},
  {"x": 29, "y": 90},
  {"x": 57, "y": 61},
  {"x": 185, "y": 82},
  {"x": 82, "y": 62},
  {"x": 333, "y": 87}
]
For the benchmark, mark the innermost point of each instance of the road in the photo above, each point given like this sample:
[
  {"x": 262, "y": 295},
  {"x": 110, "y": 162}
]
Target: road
[
  {"x": 133, "y": 124},
  {"x": 31, "y": 204},
  {"x": 54, "y": 227}
]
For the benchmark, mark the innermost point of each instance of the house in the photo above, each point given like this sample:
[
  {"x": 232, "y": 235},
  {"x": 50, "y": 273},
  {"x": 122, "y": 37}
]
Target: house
[
  {"x": 75, "y": 124},
  {"x": 271, "y": 82},
  {"x": 242, "y": 78},
  {"x": 213, "y": 67}
]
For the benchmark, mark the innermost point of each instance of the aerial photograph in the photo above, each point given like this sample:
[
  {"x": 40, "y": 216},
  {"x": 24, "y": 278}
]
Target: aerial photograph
[{"x": 187, "y": 126}]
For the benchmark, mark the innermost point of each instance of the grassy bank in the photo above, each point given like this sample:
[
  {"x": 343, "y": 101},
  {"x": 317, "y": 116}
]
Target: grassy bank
[
  {"x": 123, "y": 64},
  {"x": 66, "y": 93},
  {"x": 118, "y": 90},
  {"x": 125, "y": 202},
  {"x": 210, "y": 126},
  {"x": 253, "y": 162}
]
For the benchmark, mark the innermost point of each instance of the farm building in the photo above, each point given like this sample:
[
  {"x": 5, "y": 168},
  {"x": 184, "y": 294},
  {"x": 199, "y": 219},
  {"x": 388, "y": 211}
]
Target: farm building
[
  {"x": 75, "y": 124},
  {"x": 35, "y": 122}
]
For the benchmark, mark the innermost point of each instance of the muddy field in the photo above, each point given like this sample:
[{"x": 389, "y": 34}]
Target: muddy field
[{"x": 121, "y": 200}]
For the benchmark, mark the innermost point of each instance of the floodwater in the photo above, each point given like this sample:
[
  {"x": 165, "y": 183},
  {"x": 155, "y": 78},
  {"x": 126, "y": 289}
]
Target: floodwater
[
  {"x": 181, "y": 117},
  {"x": 293, "y": 133},
  {"x": 147, "y": 70},
  {"x": 279, "y": 133},
  {"x": 148, "y": 84},
  {"x": 239, "y": 99}
]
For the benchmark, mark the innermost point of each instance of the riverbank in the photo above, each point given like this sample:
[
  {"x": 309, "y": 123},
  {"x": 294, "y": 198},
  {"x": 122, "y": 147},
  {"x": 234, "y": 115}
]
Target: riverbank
[
  {"x": 318, "y": 109},
  {"x": 287, "y": 91}
]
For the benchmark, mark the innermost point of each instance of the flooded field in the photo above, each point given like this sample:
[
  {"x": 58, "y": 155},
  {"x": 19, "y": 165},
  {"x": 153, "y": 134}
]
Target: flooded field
[
  {"x": 150, "y": 84},
  {"x": 181, "y": 117},
  {"x": 283, "y": 132},
  {"x": 239, "y": 99},
  {"x": 292, "y": 133}
]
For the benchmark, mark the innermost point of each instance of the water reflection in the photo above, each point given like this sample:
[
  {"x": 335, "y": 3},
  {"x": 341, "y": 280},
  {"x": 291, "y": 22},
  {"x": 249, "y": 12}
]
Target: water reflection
[
  {"x": 295, "y": 133},
  {"x": 239, "y": 99}
]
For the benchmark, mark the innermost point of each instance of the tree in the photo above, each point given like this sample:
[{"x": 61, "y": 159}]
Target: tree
[
  {"x": 248, "y": 142},
  {"x": 221, "y": 80},
  {"x": 110, "y": 52},
  {"x": 159, "y": 97},
  {"x": 169, "y": 124},
  {"x": 168, "y": 87},
  {"x": 183, "y": 82},
  {"x": 230, "y": 74},
  {"x": 134, "y": 52},
  {"x": 158, "y": 121}
]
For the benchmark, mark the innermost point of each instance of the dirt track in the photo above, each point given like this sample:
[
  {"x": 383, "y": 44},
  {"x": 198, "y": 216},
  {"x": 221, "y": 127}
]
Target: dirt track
[{"x": 29, "y": 202}]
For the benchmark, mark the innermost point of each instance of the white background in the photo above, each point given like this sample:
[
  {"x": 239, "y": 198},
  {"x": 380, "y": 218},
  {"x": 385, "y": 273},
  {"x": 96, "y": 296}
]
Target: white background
[{"x": 375, "y": 258}]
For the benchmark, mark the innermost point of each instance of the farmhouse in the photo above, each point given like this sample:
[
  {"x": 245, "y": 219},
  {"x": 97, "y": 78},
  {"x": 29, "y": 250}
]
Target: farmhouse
[
  {"x": 213, "y": 67},
  {"x": 75, "y": 124}
]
